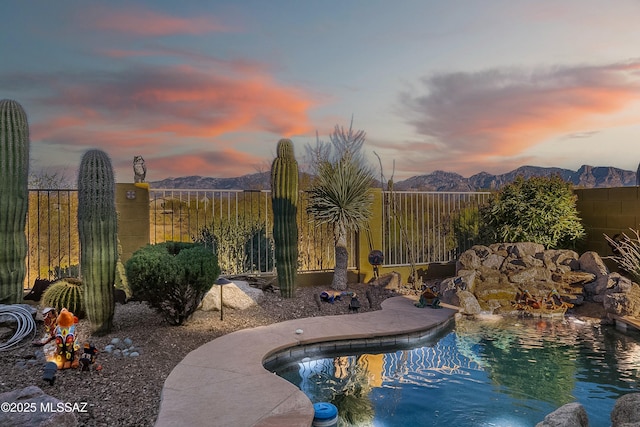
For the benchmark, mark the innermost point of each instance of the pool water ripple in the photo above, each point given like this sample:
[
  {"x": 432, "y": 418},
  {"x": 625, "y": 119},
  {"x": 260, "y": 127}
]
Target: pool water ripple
[{"x": 510, "y": 372}]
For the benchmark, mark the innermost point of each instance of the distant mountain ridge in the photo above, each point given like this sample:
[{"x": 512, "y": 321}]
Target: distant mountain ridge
[{"x": 585, "y": 177}]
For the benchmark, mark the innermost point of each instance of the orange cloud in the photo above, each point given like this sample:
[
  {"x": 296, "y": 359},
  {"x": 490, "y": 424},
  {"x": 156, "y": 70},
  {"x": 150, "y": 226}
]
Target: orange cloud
[
  {"x": 225, "y": 162},
  {"x": 504, "y": 112},
  {"x": 186, "y": 102},
  {"x": 143, "y": 22}
]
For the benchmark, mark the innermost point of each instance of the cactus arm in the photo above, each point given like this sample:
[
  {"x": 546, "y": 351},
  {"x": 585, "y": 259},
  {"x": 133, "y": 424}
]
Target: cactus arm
[
  {"x": 284, "y": 200},
  {"x": 98, "y": 232},
  {"x": 14, "y": 198}
]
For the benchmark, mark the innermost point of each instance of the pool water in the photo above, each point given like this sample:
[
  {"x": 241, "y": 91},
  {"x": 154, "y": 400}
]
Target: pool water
[{"x": 499, "y": 372}]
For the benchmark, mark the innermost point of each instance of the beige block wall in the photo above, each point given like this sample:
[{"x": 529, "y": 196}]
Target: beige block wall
[
  {"x": 607, "y": 211},
  {"x": 132, "y": 204}
]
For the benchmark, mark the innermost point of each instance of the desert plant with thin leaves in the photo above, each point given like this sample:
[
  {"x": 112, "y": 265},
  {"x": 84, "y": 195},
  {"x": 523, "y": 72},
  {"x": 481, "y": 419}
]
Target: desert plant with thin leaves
[
  {"x": 627, "y": 252},
  {"x": 340, "y": 194}
]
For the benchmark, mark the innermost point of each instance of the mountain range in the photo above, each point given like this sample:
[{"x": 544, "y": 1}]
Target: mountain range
[{"x": 585, "y": 177}]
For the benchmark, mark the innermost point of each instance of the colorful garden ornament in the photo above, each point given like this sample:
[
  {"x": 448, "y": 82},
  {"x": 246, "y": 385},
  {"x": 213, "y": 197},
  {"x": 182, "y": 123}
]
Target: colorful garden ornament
[{"x": 66, "y": 340}]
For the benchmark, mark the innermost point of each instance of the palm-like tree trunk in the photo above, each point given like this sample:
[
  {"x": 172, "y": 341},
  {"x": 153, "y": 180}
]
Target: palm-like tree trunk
[{"x": 342, "y": 257}]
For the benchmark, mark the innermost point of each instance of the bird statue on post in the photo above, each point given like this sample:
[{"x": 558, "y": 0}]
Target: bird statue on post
[{"x": 139, "y": 169}]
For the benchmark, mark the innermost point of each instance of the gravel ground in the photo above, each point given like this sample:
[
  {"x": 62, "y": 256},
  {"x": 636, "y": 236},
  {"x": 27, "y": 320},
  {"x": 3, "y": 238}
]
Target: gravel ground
[{"x": 126, "y": 392}]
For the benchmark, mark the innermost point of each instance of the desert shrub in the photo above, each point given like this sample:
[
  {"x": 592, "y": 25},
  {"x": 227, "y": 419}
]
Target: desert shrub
[
  {"x": 626, "y": 253},
  {"x": 65, "y": 293},
  {"x": 258, "y": 252},
  {"x": 172, "y": 277},
  {"x": 538, "y": 209},
  {"x": 466, "y": 227}
]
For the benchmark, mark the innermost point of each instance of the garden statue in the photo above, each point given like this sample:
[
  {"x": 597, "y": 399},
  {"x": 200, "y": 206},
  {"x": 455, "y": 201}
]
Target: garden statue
[
  {"x": 139, "y": 169},
  {"x": 50, "y": 319},
  {"x": 66, "y": 340},
  {"x": 88, "y": 357},
  {"x": 331, "y": 296},
  {"x": 429, "y": 297}
]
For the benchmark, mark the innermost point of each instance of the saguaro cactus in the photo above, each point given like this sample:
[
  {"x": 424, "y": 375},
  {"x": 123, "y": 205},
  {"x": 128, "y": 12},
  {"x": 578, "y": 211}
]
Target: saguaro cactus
[
  {"x": 98, "y": 231},
  {"x": 14, "y": 199},
  {"x": 284, "y": 200}
]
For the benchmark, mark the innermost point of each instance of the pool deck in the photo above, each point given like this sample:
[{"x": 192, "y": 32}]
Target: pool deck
[{"x": 224, "y": 383}]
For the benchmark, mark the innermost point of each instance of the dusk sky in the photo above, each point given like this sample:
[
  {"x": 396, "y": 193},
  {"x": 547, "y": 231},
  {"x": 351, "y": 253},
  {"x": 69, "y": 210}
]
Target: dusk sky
[{"x": 209, "y": 87}]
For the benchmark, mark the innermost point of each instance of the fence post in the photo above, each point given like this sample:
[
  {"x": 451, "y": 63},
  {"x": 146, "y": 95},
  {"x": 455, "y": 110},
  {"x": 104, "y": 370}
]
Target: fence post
[
  {"x": 132, "y": 205},
  {"x": 370, "y": 239}
]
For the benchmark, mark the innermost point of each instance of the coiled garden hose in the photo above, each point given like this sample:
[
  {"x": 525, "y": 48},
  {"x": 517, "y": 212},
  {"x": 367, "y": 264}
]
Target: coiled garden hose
[{"x": 25, "y": 322}]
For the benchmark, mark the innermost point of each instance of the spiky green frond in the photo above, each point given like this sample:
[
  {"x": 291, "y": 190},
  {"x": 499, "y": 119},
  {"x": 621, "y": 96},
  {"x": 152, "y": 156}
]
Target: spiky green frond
[{"x": 341, "y": 194}]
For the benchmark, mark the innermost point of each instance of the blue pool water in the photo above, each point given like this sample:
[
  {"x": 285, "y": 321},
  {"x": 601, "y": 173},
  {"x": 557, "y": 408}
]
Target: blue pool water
[{"x": 507, "y": 372}]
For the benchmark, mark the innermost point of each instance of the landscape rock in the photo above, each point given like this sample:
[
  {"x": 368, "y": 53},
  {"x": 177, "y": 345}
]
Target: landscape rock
[
  {"x": 237, "y": 295},
  {"x": 569, "y": 415},
  {"x": 623, "y": 303},
  {"x": 626, "y": 412},
  {"x": 391, "y": 281},
  {"x": 592, "y": 263},
  {"x": 34, "y": 397},
  {"x": 467, "y": 302},
  {"x": 495, "y": 274}
]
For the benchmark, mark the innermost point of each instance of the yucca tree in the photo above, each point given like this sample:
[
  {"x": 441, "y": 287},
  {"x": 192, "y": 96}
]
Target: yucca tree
[{"x": 340, "y": 195}]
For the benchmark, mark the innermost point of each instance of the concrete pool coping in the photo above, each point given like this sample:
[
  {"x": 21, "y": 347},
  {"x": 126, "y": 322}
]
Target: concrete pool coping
[{"x": 224, "y": 382}]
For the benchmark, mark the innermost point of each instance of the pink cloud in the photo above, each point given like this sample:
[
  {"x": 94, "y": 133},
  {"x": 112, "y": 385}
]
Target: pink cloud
[
  {"x": 138, "y": 21},
  {"x": 181, "y": 101},
  {"x": 219, "y": 163},
  {"x": 503, "y": 112}
]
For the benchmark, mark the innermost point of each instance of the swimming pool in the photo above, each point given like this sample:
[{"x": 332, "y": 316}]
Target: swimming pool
[{"x": 497, "y": 372}]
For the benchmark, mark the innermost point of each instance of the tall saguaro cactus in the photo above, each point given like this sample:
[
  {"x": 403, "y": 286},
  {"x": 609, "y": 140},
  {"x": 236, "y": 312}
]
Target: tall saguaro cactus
[
  {"x": 98, "y": 230},
  {"x": 14, "y": 199},
  {"x": 284, "y": 200}
]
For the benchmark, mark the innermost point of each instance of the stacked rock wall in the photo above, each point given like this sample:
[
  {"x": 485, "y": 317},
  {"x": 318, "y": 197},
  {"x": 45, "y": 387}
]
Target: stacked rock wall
[{"x": 495, "y": 274}]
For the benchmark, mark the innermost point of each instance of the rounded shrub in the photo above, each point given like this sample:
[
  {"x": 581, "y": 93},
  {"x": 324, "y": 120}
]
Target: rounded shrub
[
  {"x": 65, "y": 293},
  {"x": 539, "y": 209},
  {"x": 172, "y": 277}
]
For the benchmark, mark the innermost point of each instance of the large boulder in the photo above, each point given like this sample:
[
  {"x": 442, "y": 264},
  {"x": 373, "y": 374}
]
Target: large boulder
[
  {"x": 33, "y": 397},
  {"x": 569, "y": 415},
  {"x": 237, "y": 295},
  {"x": 592, "y": 263},
  {"x": 467, "y": 302},
  {"x": 626, "y": 411},
  {"x": 623, "y": 303},
  {"x": 390, "y": 281}
]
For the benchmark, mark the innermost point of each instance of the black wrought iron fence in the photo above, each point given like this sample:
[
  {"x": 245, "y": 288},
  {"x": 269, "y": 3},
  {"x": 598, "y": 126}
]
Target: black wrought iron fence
[
  {"x": 52, "y": 236},
  {"x": 428, "y": 227},
  {"x": 420, "y": 226},
  {"x": 238, "y": 225}
]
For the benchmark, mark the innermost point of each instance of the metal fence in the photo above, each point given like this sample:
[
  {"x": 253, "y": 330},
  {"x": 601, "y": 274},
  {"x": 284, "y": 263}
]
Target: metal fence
[
  {"x": 429, "y": 227},
  {"x": 52, "y": 235},
  {"x": 421, "y": 226},
  {"x": 238, "y": 225}
]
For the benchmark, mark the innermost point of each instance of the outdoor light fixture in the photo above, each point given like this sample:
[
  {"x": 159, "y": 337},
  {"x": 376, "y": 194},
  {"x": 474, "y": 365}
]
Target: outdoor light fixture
[
  {"x": 221, "y": 282},
  {"x": 50, "y": 369}
]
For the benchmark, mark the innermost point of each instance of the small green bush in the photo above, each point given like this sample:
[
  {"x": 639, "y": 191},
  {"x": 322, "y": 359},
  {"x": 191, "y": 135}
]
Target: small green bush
[
  {"x": 65, "y": 293},
  {"x": 172, "y": 277},
  {"x": 538, "y": 209}
]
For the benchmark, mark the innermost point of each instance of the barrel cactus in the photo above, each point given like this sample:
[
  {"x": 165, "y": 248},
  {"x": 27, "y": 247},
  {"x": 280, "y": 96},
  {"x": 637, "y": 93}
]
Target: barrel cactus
[
  {"x": 98, "y": 232},
  {"x": 14, "y": 198},
  {"x": 284, "y": 200},
  {"x": 65, "y": 293}
]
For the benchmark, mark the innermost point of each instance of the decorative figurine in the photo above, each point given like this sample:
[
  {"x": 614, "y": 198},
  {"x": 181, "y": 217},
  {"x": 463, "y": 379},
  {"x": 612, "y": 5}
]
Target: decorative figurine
[
  {"x": 88, "y": 357},
  {"x": 66, "y": 340},
  {"x": 429, "y": 297},
  {"x": 50, "y": 319},
  {"x": 139, "y": 169}
]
